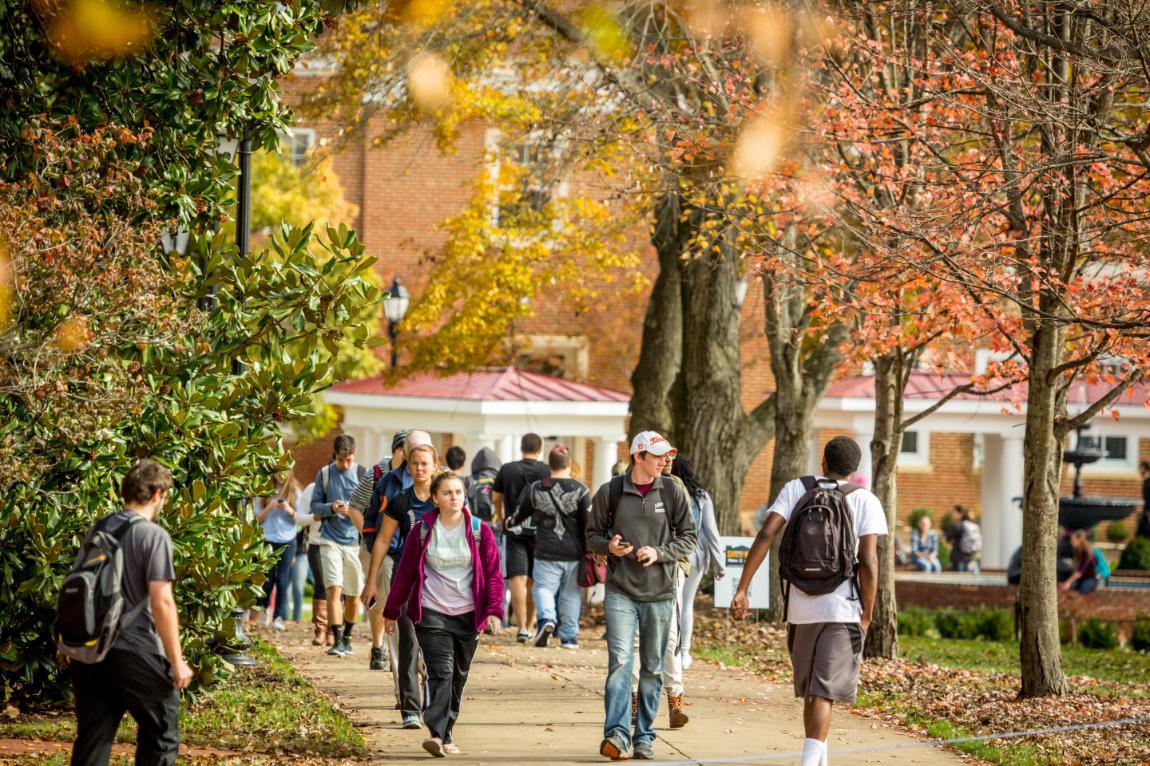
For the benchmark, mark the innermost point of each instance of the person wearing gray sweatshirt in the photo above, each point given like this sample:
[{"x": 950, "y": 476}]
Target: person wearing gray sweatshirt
[{"x": 643, "y": 523}]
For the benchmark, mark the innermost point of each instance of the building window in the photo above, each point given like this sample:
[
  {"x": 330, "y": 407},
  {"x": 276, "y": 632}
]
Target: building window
[
  {"x": 915, "y": 450},
  {"x": 297, "y": 144},
  {"x": 559, "y": 356},
  {"x": 525, "y": 176}
]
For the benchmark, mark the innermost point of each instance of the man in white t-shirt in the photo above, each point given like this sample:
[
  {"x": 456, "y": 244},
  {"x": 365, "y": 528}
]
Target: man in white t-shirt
[{"x": 825, "y": 632}]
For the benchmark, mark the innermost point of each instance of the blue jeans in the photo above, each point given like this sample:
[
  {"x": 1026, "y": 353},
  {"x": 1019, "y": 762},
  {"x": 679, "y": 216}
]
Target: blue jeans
[
  {"x": 653, "y": 619},
  {"x": 927, "y": 565},
  {"x": 278, "y": 578},
  {"x": 558, "y": 581}
]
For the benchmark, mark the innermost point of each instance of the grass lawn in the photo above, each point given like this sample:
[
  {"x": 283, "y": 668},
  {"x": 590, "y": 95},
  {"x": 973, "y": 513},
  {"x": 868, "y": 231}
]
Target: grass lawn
[
  {"x": 950, "y": 688},
  {"x": 269, "y": 709}
]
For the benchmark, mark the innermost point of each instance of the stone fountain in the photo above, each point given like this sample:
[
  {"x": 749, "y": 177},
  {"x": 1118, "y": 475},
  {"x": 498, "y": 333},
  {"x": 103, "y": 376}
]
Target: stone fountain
[{"x": 1078, "y": 512}]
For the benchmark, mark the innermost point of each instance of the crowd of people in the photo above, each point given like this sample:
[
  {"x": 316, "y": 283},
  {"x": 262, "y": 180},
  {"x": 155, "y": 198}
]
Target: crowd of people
[{"x": 437, "y": 557}]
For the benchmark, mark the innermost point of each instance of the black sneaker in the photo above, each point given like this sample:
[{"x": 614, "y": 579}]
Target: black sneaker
[
  {"x": 335, "y": 650},
  {"x": 346, "y": 647},
  {"x": 376, "y": 658},
  {"x": 544, "y": 633},
  {"x": 522, "y": 636}
]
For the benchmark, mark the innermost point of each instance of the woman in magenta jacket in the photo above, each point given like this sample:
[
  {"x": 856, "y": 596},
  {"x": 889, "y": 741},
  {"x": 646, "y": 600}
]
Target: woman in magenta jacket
[{"x": 450, "y": 586}]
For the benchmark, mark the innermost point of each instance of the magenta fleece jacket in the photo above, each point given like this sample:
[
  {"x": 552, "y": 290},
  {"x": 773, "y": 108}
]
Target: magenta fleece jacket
[{"x": 406, "y": 594}]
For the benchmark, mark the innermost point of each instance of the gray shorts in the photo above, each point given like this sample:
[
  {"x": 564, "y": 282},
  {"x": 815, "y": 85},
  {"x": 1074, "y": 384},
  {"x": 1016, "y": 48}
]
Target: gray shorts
[{"x": 826, "y": 657}]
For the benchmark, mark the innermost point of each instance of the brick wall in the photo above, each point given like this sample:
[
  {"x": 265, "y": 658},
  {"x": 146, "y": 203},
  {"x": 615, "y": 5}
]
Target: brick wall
[{"x": 406, "y": 190}]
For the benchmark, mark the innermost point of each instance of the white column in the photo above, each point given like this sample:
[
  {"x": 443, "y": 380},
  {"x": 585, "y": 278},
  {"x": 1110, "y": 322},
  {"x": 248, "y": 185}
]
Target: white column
[
  {"x": 606, "y": 455},
  {"x": 472, "y": 443},
  {"x": 866, "y": 465},
  {"x": 378, "y": 446},
  {"x": 506, "y": 448},
  {"x": 815, "y": 458},
  {"x": 1001, "y": 483}
]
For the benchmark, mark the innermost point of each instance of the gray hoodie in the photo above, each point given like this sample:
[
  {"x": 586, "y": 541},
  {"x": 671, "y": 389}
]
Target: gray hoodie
[
  {"x": 485, "y": 459},
  {"x": 661, "y": 520}
]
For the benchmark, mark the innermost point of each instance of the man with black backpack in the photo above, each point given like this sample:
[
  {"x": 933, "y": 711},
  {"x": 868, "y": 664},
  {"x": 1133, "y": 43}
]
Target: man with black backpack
[
  {"x": 642, "y": 522},
  {"x": 559, "y": 506},
  {"x": 117, "y": 623},
  {"x": 519, "y": 541},
  {"x": 828, "y": 560}
]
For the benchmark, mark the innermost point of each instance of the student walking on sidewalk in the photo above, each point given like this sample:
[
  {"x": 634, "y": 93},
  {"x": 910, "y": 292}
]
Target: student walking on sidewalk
[
  {"x": 642, "y": 522},
  {"x": 449, "y": 585},
  {"x": 559, "y": 506},
  {"x": 399, "y": 517},
  {"x": 829, "y": 562},
  {"x": 144, "y": 670}
]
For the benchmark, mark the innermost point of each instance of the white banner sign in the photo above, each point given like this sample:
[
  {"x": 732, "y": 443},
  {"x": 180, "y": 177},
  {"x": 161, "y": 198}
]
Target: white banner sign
[{"x": 735, "y": 550}]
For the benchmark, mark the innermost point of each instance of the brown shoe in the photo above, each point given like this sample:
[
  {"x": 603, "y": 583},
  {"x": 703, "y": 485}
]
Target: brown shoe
[
  {"x": 678, "y": 717},
  {"x": 317, "y": 636}
]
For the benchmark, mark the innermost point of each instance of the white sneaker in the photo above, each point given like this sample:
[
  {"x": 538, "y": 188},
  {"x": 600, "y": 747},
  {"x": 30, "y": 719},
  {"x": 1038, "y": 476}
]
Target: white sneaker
[
  {"x": 687, "y": 660},
  {"x": 278, "y": 624}
]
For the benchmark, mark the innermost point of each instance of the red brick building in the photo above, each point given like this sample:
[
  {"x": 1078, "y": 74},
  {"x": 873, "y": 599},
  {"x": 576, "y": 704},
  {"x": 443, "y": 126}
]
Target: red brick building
[{"x": 407, "y": 188}]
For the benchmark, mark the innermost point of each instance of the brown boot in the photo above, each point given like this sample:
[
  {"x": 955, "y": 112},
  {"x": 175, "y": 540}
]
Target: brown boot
[
  {"x": 318, "y": 621},
  {"x": 675, "y": 707}
]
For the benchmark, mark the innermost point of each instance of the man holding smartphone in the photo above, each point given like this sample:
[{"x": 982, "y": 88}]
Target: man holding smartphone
[
  {"x": 339, "y": 540},
  {"x": 643, "y": 523}
]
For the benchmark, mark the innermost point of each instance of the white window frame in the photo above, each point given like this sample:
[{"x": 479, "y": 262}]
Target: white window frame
[
  {"x": 575, "y": 349},
  {"x": 493, "y": 149},
  {"x": 287, "y": 142},
  {"x": 920, "y": 458},
  {"x": 1129, "y": 463}
]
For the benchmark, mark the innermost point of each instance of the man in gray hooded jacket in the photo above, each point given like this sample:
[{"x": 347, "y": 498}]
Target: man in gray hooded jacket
[{"x": 643, "y": 524}]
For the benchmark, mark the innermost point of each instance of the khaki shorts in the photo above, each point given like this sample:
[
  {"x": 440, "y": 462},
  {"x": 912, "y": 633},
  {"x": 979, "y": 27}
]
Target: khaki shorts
[
  {"x": 340, "y": 565},
  {"x": 382, "y": 578},
  {"x": 826, "y": 657}
]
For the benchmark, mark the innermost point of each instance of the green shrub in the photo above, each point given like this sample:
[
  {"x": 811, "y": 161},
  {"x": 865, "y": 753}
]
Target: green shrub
[
  {"x": 917, "y": 514},
  {"x": 944, "y": 554},
  {"x": 1140, "y": 638},
  {"x": 995, "y": 625},
  {"x": 952, "y": 624},
  {"x": 1095, "y": 634},
  {"x": 915, "y": 622},
  {"x": 1136, "y": 555},
  {"x": 1117, "y": 532}
]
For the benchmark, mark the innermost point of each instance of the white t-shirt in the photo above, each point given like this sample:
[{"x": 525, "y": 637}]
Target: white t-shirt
[
  {"x": 869, "y": 519},
  {"x": 447, "y": 587},
  {"x": 304, "y": 517}
]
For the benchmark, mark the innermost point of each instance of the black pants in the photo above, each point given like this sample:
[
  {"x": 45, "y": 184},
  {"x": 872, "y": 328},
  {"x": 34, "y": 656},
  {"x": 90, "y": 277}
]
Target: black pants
[
  {"x": 448, "y": 644},
  {"x": 318, "y": 589},
  {"x": 408, "y": 668},
  {"x": 138, "y": 684}
]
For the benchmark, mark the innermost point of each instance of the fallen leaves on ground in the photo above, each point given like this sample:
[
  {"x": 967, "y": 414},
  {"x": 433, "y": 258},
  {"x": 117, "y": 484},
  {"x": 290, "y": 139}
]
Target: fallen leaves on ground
[{"x": 912, "y": 695}]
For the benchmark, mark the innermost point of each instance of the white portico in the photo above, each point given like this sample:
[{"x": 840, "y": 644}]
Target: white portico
[
  {"x": 493, "y": 409},
  {"x": 999, "y": 429}
]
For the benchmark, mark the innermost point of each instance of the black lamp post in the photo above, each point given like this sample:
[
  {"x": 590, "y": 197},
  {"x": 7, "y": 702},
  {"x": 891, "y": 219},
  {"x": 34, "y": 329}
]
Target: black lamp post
[{"x": 395, "y": 307}]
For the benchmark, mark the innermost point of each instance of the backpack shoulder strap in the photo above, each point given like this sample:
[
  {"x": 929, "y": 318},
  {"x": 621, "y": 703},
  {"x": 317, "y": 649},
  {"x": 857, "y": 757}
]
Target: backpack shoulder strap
[
  {"x": 423, "y": 532},
  {"x": 809, "y": 482},
  {"x": 476, "y": 528},
  {"x": 614, "y": 495},
  {"x": 849, "y": 488},
  {"x": 325, "y": 479}
]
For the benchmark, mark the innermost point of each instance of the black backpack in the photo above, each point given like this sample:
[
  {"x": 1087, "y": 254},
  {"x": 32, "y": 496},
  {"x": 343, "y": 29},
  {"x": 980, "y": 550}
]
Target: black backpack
[
  {"x": 818, "y": 550},
  {"x": 479, "y": 493},
  {"x": 91, "y": 610}
]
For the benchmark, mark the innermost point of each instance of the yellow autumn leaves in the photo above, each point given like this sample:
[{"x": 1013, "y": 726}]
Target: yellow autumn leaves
[{"x": 83, "y": 31}]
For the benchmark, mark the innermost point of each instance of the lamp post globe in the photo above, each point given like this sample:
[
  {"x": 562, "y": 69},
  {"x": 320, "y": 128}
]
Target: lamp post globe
[{"x": 395, "y": 307}]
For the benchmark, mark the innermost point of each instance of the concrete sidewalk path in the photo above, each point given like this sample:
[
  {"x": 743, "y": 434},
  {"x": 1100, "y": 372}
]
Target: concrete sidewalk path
[{"x": 529, "y": 705}]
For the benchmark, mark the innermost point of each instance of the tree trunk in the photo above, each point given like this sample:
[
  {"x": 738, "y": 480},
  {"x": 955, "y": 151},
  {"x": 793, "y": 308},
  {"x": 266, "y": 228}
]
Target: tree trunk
[
  {"x": 801, "y": 379},
  {"x": 882, "y": 638},
  {"x": 660, "y": 354},
  {"x": 711, "y": 427},
  {"x": 1041, "y": 652}
]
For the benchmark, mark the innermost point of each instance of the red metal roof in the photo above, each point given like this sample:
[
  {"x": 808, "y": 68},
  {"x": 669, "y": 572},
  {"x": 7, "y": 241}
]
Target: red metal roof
[
  {"x": 508, "y": 385},
  {"x": 929, "y": 385}
]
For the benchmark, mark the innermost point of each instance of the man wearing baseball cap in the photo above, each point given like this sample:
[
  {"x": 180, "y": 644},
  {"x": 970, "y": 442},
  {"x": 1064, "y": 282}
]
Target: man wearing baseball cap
[{"x": 642, "y": 522}]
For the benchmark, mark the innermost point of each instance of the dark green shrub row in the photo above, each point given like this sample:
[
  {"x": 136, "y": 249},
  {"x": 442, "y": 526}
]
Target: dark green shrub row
[
  {"x": 1136, "y": 555},
  {"x": 988, "y": 624},
  {"x": 1095, "y": 634},
  {"x": 1140, "y": 638}
]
